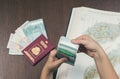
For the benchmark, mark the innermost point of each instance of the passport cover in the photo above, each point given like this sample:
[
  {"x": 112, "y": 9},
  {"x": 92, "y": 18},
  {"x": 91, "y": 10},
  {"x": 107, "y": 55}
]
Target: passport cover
[{"x": 38, "y": 49}]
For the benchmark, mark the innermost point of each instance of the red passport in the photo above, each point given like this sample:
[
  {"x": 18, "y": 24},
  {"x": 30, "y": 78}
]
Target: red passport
[{"x": 38, "y": 49}]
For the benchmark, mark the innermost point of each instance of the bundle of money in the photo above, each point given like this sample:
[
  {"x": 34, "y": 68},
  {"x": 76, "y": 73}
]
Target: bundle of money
[
  {"x": 24, "y": 35},
  {"x": 67, "y": 49}
]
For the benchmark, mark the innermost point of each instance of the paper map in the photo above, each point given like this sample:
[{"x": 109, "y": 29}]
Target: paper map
[{"x": 102, "y": 26}]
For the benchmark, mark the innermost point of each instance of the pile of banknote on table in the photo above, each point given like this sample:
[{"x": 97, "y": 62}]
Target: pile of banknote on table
[
  {"x": 30, "y": 40},
  {"x": 24, "y": 35}
]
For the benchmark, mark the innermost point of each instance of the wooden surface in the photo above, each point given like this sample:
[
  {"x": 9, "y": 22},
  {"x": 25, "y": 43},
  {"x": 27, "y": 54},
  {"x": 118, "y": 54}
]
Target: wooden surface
[{"x": 56, "y": 14}]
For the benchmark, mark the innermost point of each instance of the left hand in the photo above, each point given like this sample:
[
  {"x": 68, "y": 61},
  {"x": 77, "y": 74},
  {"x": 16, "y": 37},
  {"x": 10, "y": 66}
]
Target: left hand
[{"x": 51, "y": 65}]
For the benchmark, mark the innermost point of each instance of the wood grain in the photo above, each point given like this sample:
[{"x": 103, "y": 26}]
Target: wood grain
[{"x": 56, "y": 14}]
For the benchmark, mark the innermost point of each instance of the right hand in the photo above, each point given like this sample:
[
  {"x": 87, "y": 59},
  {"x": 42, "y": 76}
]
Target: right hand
[{"x": 88, "y": 45}]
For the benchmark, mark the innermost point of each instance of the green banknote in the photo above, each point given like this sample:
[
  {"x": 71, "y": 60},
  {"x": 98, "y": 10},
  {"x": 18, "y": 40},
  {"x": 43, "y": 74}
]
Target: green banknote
[{"x": 67, "y": 49}]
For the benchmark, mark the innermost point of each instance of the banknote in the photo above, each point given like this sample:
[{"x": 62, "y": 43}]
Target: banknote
[
  {"x": 9, "y": 41},
  {"x": 24, "y": 35},
  {"x": 67, "y": 49},
  {"x": 18, "y": 40},
  {"x": 33, "y": 29},
  {"x": 13, "y": 45},
  {"x": 19, "y": 31},
  {"x": 15, "y": 52}
]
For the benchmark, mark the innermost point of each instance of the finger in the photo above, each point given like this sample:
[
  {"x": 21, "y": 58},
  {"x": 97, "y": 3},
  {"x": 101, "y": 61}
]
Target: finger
[
  {"x": 75, "y": 41},
  {"x": 60, "y": 61},
  {"x": 83, "y": 37},
  {"x": 53, "y": 53},
  {"x": 83, "y": 42}
]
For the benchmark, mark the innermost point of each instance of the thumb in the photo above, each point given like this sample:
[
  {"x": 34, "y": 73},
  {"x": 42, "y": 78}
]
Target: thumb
[{"x": 75, "y": 41}]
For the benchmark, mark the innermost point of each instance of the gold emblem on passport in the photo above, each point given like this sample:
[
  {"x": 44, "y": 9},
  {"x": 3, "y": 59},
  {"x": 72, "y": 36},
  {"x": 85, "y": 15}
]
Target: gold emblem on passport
[{"x": 36, "y": 50}]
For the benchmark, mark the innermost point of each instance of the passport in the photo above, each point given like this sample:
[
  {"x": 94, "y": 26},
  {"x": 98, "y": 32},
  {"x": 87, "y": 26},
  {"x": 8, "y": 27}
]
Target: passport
[{"x": 38, "y": 49}]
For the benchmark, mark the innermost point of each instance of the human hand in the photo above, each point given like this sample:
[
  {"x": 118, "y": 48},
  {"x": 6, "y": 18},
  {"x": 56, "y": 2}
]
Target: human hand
[
  {"x": 51, "y": 65},
  {"x": 88, "y": 45},
  {"x": 93, "y": 49}
]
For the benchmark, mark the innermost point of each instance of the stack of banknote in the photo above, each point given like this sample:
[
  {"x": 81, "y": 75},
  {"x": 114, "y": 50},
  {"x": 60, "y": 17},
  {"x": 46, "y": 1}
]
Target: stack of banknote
[
  {"x": 24, "y": 35},
  {"x": 67, "y": 49}
]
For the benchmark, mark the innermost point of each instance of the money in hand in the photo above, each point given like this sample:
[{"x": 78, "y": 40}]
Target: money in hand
[{"x": 67, "y": 49}]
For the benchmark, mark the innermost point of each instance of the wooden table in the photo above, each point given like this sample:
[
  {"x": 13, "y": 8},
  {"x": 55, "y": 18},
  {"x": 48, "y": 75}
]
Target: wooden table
[{"x": 55, "y": 13}]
